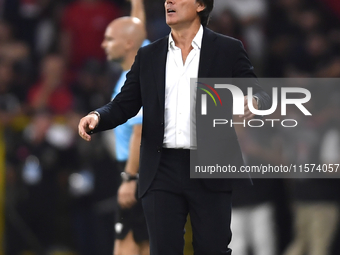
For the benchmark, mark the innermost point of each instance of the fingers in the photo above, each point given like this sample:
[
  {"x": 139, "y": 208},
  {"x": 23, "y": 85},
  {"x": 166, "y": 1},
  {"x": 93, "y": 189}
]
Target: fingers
[
  {"x": 249, "y": 116},
  {"x": 247, "y": 113},
  {"x": 93, "y": 121},
  {"x": 87, "y": 124},
  {"x": 83, "y": 128}
]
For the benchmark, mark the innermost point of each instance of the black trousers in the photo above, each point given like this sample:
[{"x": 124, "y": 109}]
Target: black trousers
[{"x": 172, "y": 196}]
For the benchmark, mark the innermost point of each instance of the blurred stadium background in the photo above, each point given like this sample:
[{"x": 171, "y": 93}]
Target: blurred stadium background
[{"x": 57, "y": 192}]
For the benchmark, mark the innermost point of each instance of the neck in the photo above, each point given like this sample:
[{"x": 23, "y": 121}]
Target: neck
[{"x": 183, "y": 36}]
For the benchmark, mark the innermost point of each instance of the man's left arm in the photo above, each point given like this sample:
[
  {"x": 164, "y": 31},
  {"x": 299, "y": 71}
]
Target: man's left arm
[{"x": 244, "y": 69}]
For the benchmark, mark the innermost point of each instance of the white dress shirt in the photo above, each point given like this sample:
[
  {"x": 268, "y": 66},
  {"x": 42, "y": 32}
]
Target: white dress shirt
[{"x": 179, "y": 117}]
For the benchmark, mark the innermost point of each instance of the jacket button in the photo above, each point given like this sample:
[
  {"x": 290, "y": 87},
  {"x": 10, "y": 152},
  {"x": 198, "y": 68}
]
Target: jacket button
[
  {"x": 159, "y": 149},
  {"x": 162, "y": 124}
]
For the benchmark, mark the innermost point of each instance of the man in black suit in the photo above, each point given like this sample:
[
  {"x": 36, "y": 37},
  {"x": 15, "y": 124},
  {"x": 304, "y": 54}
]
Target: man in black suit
[{"x": 159, "y": 81}]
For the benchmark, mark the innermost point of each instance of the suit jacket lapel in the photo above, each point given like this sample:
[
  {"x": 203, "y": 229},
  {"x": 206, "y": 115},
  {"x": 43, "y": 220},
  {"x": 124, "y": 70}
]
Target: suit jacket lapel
[
  {"x": 206, "y": 62},
  {"x": 159, "y": 62},
  {"x": 207, "y": 53}
]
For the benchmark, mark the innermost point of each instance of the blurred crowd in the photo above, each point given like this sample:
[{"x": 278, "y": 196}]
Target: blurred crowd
[{"x": 61, "y": 191}]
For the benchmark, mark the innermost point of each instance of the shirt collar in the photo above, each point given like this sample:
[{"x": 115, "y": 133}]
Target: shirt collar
[{"x": 196, "y": 42}]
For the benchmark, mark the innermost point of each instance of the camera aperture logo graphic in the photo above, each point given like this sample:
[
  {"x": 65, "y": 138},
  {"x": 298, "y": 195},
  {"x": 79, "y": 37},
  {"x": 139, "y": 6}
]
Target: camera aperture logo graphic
[{"x": 204, "y": 97}]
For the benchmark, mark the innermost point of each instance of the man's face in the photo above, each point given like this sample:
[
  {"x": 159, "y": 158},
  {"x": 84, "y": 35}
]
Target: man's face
[
  {"x": 182, "y": 12},
  {"x": 114, "y": 44}
]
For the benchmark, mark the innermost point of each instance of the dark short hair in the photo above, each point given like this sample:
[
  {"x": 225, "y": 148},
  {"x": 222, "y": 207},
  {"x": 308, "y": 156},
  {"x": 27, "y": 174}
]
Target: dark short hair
[{"x": 205, "y": 14}]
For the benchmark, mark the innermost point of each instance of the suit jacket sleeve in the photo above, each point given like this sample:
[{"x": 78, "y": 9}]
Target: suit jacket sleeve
[{"x": 243, "y": 68}]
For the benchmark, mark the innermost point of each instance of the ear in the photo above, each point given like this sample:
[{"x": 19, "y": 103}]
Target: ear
[
  {"x": 129, "y": 44},
  {"x": 200, "y": 6}
]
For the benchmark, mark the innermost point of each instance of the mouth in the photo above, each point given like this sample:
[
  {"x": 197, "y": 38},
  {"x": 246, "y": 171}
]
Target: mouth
[{"x": 169, "y": 10}]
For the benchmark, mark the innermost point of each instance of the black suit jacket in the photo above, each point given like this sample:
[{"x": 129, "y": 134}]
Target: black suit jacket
[{"x": 220, "y": 56}]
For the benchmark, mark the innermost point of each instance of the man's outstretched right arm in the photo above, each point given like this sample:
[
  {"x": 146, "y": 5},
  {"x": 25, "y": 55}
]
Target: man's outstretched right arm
[{"x": 125, "y": 105}]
